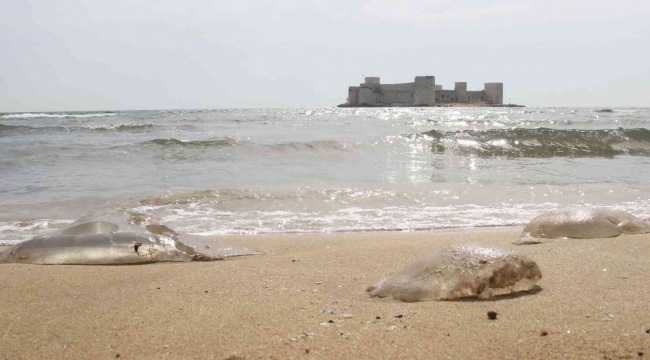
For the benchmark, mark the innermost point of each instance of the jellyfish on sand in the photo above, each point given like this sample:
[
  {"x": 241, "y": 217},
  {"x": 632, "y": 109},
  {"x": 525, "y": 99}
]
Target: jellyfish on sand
[
  {"x": 581, "y": 224},
  {"x": 461, "y": 271},
  {"x": 118, "y": 238}
]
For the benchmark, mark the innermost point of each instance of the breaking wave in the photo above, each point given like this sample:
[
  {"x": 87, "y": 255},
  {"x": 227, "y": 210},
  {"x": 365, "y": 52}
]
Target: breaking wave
[
  {"x": 319, "y": 145},
  {"x": 23, "y": 129},
  {"x": 542, "y": 142},
  {"x": 305, "y": 210},
  {"x": 119, "y": 127},
  {"x": 52, "y": 115},
  {"x": 192, "y": 143}
]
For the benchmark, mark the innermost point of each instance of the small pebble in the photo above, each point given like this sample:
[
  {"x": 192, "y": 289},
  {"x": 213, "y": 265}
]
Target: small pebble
[
  {"x": 399, "y": 316},
  {"x": 331, "y": 321},
  {"x": 293, "y": 260},
  {"x": 117, "y": 356},
  {"x": 378, "y": 318},
  {"x": 347, "y": 316},
  {"x": 640, "y": 353},
  {"x": 492, "y": 315},
  {"x": 327, "y": 311},
  {"x": 544, "y": 333},
  {"x": 392, "y": 328},
  {"x": 206, "y": 291},
  {"x": 647, "y": 331}
]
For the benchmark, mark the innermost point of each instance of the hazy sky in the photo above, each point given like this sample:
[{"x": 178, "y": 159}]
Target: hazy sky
[{"x": 161, "y": 54}]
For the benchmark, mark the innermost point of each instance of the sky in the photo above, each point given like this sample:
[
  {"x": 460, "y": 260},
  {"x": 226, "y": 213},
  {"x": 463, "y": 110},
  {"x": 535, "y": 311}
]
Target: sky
[{"x": 169, "y": 54}]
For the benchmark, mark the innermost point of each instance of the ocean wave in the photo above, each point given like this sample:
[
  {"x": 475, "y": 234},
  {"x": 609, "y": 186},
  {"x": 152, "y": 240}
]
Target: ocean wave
[
  {"x": 6, "y": 130},
  {"x": 304, "y": 210},
  {"x": 119, "y": 127},
  {"x": 317, "y": 145},
  {"x": 323, "y": 145},
  {"x": 541, "y": 142},
  {"x": 192, "y": 143},
  {"x": 53, "y": 115},
  {"x": 14, "y": 129},
  {"x": 12, "y": 232},
  {"x": 310, "y": 210}
]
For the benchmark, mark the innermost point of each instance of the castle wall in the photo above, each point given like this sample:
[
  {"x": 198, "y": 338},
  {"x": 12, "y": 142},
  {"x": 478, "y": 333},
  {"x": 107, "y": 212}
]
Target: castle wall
[
  {"x": 494, "y": 93},
  {"x": 397, "y": 94},
  {"x": 353, "y": 95},
  {"x": 444, "y": 96},
  {"x": 476, "y": 96},
  {"x": 447, "y": 96},
  {"x": 369, "y": 94},
  {"x": 425, "y": 91}
]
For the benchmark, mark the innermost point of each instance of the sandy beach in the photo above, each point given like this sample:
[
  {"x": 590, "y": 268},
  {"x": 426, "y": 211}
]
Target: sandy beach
[{"x": 592, "y": 302}]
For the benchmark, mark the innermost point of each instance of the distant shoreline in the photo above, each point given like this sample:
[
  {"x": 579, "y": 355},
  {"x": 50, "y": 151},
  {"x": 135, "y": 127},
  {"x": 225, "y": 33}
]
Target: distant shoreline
[{"x": 436, "y": 105}]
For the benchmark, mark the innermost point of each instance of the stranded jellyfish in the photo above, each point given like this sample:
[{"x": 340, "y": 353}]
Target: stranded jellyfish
[
  {"x": 461, "y": 271},
  {"x": 118, "y": 238},
  {"x": 581, "y": 224}
]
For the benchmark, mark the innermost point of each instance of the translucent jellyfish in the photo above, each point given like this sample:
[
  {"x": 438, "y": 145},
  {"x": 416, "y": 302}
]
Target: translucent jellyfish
[
  {"x": 581, "y": 224},
  {"x": 461, "y": 271},
  {"x": 118, "y": 238}
]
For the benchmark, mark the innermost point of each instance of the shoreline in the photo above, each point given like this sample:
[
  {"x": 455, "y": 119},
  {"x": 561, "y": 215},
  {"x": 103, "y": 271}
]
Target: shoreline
[
  {"x": 277, "y": 305},
  {"x": 345, "y": 105}
]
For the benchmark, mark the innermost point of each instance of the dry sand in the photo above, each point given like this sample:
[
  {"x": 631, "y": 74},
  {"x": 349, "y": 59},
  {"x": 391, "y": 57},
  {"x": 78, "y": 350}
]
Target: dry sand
[{"x": 594, "y": 302}]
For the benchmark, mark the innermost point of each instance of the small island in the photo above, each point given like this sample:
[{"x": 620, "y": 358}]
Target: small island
[{"x": 422, "y": 92}]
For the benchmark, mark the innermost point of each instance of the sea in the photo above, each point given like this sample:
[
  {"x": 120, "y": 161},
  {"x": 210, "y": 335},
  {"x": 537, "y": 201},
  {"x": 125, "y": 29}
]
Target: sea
[{"x": 320, "y": 170}]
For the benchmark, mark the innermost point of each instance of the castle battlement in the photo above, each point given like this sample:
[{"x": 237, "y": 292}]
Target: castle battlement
[{"x": 422, "y": 92}]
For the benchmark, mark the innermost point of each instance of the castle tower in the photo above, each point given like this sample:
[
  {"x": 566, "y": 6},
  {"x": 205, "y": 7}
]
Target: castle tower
[
  {"x": 460, "y": 92},
  {"x": 494, "y": 93},
  {"x": 372, "y": 80},
  {"x": 425, "y": 91},
  {"x": 370, "y": 92}
]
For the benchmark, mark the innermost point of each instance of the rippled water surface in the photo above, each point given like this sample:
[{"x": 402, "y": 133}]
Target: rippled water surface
[{"x": 320, "y": 170}]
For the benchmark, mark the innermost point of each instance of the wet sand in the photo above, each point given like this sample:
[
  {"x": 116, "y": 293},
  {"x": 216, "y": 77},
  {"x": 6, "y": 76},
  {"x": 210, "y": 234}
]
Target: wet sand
[{"x": 592, "y": 302}]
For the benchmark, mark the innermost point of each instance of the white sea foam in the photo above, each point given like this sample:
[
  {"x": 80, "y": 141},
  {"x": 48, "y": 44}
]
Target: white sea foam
[
  {"x": 13, "y": 232},
  {"x": 48, "y": 115},
  {"x": 120, "y": 126}
]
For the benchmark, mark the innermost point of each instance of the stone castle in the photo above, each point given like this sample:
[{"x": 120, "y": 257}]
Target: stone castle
[{"x": 422, "y": 92}]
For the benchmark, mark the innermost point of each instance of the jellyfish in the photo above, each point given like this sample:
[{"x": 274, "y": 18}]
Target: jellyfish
[
  {"x": 118, "y": 238},
  {"x": 581, "y": 223},
  {"x": 460, "y": 271}
]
